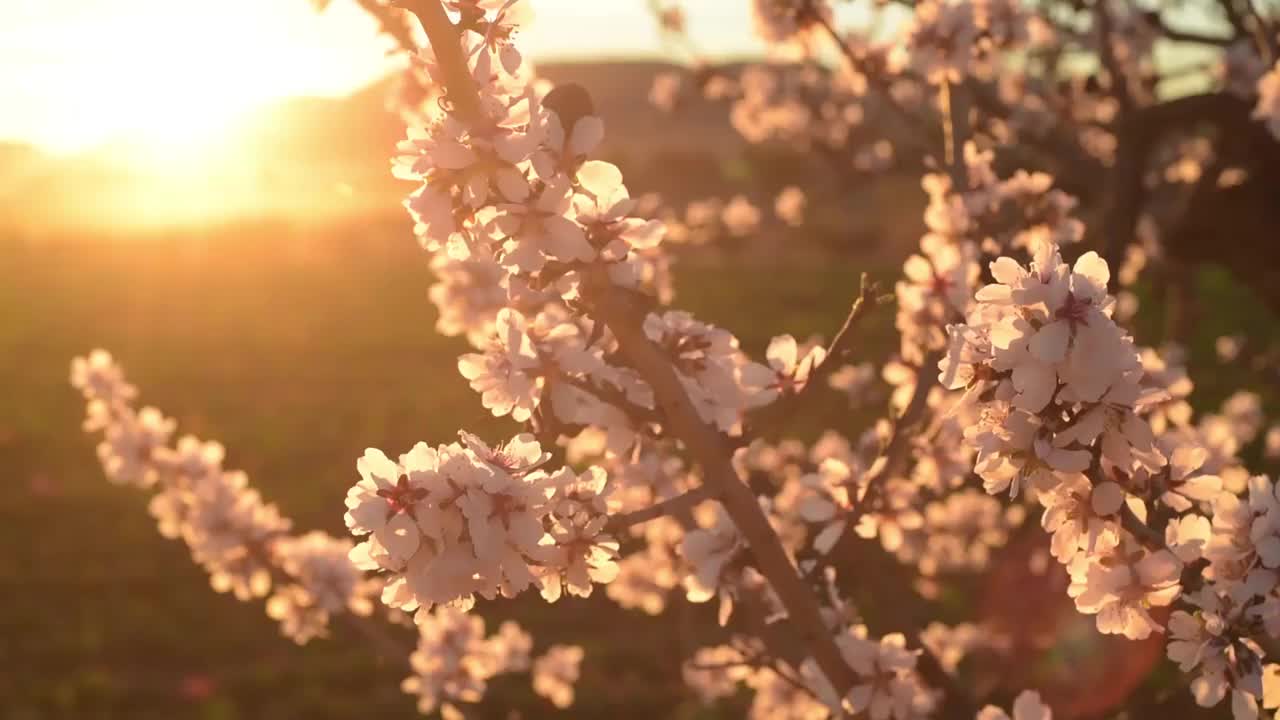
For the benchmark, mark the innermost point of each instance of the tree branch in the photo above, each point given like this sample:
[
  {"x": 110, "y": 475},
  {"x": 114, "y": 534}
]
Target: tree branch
[
  {"x": 867, "y": 300},
  {"x": 895, "y": 455},
  {"x": 1119, "y": 83},
  {"x": 684, "y": 501},
  {"x": 955, "y": 131},
  {"x": 610, "y": 396},
  {"x": 446, "y": 42},
  {"x": 708, "y": 449},
  {"x": 895, "y": 452},
  {"x": 877, "y": 82},
  {"x": 1187, "y": 36}
]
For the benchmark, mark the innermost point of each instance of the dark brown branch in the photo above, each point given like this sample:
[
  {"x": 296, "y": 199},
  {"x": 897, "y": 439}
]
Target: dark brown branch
[
  {"x": 1187, "y": 36},
  {"x": 1107, "y": 53},
  {"x": 1233, "y": 17},
  {"x": 955, "y": 131},
  {"x": 704, "y": 443},
  {"x": 958, "y": 702},
  {"x": 1262, "y": 34}
]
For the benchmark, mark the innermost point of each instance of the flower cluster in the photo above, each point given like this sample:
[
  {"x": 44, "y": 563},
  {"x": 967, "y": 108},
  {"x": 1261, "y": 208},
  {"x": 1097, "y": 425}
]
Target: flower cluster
[
  {"x": 790, "y": 22},
  {"x": 999, "y": 214},
  {"x": 464, "y": 519},
  {"x": 455, "y": 660},
  {"x": 946, "y": 41},
  {"x": 986, "y": 217},
  {"x": 242, "y": 541},
  {"x": 1058, "y": 384},
  {"x": 517, "y": 217},
  {"x": 1065, "y": 401},
  {"x": 327, "y": 584},
  {"x": 555, "y": 673},
  {"x": 887, "y": 685}
]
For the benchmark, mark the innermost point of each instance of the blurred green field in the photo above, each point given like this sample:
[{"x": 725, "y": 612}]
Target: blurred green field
[{"x": 297, "y": 351}]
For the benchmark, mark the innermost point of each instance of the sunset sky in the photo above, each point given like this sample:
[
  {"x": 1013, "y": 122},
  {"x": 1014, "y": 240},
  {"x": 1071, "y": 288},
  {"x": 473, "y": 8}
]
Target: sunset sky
[
  {"x": 81, "y": 72},
  {"x": 78, "y": 73}
]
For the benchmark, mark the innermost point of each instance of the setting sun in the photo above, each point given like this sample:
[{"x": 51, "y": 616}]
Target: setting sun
[{"x": 168, "y": 74}]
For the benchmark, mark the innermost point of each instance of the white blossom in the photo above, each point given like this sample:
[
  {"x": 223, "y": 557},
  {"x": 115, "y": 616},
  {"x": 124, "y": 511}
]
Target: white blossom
[{"x": 555, "y": 673}]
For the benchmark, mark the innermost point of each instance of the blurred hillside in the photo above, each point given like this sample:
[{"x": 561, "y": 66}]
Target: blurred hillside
[
  {"x": 312, "y": 159},
  {"x": 311, "y": 163}
]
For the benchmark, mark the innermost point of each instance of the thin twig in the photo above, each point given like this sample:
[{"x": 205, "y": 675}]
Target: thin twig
[
  {"x": 867, "y": 300},
  {"x": 875, "y": 81},
  {"x": 684, "y": 501},
  {"x": 781, "y": 412},
  {"x": 896, "y": 451},
  {"x": 894, "y": 456},
  {"x": 611, "y": 396}
]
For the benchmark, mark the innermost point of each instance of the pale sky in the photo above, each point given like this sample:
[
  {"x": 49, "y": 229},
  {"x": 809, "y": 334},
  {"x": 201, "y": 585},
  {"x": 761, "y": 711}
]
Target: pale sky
[
  {"x": 77, "y": 73},
  {"x": 81, "y": 72}
]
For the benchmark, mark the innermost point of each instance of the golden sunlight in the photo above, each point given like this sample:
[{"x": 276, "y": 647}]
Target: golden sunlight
[{"x": 165, "y": 75}]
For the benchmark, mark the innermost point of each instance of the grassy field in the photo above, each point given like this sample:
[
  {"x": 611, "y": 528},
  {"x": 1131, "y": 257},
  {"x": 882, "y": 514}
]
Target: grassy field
[{"x": 296, "y": 352}]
